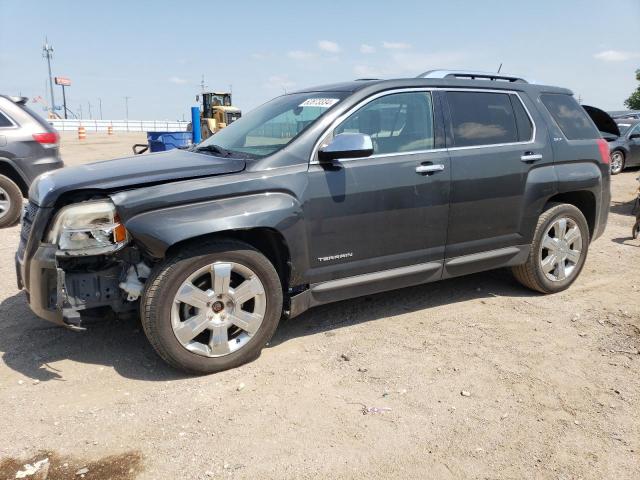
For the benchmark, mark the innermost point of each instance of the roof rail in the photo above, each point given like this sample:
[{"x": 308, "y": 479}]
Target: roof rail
[{"x": 472, "y": 75}]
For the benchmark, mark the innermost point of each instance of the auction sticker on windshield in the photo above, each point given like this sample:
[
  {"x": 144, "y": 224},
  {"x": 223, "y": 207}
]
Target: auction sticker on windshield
[{"x": 319, "y": 102}]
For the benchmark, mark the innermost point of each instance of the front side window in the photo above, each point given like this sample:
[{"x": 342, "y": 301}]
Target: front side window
[
  {"x": 482, "y": 118},
  {"x": 570, "y": 116},
  {"x": 271, "y": 126},
  {"x": 396, "y": 123}
]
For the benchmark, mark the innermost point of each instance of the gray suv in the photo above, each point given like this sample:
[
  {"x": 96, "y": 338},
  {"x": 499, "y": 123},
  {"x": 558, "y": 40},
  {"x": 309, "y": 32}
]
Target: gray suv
[
  {"x": 28, "y": 147},
  {"x": 320, "y": 195}
]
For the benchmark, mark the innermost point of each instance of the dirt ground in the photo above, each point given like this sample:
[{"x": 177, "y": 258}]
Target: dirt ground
[{"x": 551, "y": 383}]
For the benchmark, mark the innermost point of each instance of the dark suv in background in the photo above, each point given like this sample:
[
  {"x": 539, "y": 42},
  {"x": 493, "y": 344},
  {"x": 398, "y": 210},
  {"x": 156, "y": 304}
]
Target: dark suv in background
[
  {"x": 28, "y": 147},
  {"x": 317, "y": 196}
]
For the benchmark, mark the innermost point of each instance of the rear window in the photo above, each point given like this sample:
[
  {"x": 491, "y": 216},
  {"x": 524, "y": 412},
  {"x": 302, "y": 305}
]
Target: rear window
[
  {"x": 4, "y": 121},
  {"x": 480, "y": 118},
  {"x": 570, "y": 117}
]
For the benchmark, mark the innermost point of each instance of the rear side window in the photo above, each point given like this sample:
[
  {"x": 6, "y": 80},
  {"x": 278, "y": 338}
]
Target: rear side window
[
  {"x": 4, "y": 121},
  {"x": 480, "y": 118},
  {"x": 570, "y": 116}
]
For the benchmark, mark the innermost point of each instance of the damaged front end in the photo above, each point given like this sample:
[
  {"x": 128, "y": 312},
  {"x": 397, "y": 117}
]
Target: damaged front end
[{"x": 78, "y": 262}]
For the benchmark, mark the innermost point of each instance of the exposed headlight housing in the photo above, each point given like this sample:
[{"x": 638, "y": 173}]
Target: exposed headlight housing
[{"x": 88, "y": 228}]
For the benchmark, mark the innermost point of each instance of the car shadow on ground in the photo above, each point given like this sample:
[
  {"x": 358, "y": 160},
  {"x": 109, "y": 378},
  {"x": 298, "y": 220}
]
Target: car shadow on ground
[
  {"x": 32, "y": 346},
  {"x": 324, "y": 318},
  {"x": 622, "y": 208}
]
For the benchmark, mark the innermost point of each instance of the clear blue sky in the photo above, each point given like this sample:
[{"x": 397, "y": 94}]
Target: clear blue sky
[{"x": 155, "y": 52}]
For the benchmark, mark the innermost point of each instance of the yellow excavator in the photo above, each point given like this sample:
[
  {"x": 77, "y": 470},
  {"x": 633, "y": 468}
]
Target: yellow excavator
[{"x": 217, "y": 112}]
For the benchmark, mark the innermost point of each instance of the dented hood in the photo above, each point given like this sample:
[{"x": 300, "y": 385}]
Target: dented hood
[{"x": 130, "y": 172}]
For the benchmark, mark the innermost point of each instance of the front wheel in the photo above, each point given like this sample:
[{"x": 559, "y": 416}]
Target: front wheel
[
  {"x": 617, "y": 162},
  {"x": 558, "y": 251},
  {"x": 212, "y": 308}
]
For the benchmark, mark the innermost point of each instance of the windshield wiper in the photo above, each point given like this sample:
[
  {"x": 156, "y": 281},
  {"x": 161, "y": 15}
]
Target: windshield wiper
[
  {"x": 223, "y": 152},
  {"x": 214, "y": 149}
]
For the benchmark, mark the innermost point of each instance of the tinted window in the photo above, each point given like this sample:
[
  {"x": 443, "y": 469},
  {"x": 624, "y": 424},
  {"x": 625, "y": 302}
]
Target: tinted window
[
  {"x": 480, "y": 118},
  {"x": 4, "y": 121},
  {"x": 570, "y": 117},
  {"x": 401, "y": 122},
  {"x": 523, "y": 122}
]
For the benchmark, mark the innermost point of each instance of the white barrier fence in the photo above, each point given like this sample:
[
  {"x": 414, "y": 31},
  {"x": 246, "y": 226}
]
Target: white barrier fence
[{"x": 119, "y": 125}]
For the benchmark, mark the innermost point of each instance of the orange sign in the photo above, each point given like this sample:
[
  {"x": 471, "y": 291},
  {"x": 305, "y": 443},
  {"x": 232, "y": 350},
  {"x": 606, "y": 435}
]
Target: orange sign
[{"x": 63, "y": 81}]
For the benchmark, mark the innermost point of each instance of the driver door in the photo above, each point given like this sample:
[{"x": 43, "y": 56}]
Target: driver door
[{"x": 382, "y": 213}]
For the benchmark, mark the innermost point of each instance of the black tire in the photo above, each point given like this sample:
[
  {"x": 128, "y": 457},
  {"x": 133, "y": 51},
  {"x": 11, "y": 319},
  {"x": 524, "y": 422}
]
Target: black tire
[
  {"x": 162, "y": 287},
  {"x": 617, "y": 169},
  {"x": 11, "y": 215},
  {"x": 530, "y": 274}
]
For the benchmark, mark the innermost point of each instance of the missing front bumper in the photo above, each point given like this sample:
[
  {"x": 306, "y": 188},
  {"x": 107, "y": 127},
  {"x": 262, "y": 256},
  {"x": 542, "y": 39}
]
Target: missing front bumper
[{"x": 62, "y": 295}]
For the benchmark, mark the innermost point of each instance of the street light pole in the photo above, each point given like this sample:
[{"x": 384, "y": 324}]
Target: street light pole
[
  {"x": 126, "y": 107},
  {"x": 100, "y": 106},
  {"x": 47, "y": 52}
]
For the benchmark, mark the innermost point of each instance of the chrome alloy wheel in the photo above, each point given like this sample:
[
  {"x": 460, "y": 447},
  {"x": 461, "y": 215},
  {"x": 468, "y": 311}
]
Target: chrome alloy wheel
[
  {"x": 561, "y": 249},
  {"x": 5, "y": 202},
  {"x": 218, "y": 308},
  {"x": 617, "y": 162}
]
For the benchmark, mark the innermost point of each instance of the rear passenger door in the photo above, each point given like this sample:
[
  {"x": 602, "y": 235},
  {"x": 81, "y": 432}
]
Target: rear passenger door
[{"x": 495, "y": 149}]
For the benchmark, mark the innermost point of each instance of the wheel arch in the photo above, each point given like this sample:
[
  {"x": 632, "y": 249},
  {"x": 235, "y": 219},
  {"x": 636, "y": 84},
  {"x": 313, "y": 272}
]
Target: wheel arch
[
  {"x": 9, "y": 170},
  {"x": 268, "y": 241},
  {"x": 583, "y": 200}
]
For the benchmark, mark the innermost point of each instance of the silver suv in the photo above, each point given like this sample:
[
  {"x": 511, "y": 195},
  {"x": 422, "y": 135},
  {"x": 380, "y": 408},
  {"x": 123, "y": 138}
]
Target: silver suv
[{"x": 28, "y": 147}]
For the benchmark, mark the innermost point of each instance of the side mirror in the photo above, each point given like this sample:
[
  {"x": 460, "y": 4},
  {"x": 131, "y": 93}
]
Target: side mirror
[
  {"x": 634, "y": 136},
  {"x": 347, "y": 145}
]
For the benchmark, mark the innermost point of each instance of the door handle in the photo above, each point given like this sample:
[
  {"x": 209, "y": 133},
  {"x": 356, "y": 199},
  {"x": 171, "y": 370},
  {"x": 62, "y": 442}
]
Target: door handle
[
  {"x": 428, "y": 169},
  {"x": 531, "y": 157}
]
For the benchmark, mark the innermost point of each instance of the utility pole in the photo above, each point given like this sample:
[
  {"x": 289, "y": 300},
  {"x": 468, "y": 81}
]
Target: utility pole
[
  {"x": 126, "y": 107},
  {"x": 80, "y": 109},
  {"x": 100, "y": 107},
  {"x": 47, "y": 52},
  {"x": 202, "y": 85},
  {"x": 90, "y": 116}
]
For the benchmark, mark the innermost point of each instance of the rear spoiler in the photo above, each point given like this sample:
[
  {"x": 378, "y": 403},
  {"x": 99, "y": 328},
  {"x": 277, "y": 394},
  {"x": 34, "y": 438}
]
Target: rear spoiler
[
  {"x": 603, "y": 121},
  {"x": 19, "y": 100}
]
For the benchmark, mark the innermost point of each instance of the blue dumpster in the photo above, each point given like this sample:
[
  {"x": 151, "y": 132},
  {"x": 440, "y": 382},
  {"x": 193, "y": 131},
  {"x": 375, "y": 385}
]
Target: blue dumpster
[{"x": 161, "y": 141}]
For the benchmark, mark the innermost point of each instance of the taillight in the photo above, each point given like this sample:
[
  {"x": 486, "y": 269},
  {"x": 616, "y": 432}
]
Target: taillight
[
  {"x": 603, "y": 146},
  {"x": 46, "y": 139}
]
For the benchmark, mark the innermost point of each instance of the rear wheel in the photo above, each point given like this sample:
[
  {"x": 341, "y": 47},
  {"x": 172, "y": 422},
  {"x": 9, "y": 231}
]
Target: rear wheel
[
  {"x": 212, "y": 309},
  {"x": 617, "y": 162},
  {"x": 558, "y": 251},
  {"x": 10, "y": 202}
]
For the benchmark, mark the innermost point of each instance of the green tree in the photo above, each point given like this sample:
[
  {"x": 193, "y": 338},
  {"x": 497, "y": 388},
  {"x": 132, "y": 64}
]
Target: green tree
[{"x": 633, "y": 102}]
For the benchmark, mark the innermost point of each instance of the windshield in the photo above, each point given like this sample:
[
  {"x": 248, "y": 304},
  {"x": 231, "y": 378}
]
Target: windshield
[
  {"x": 271, "y": 126},
  {"x": 623, "y": 128}
]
